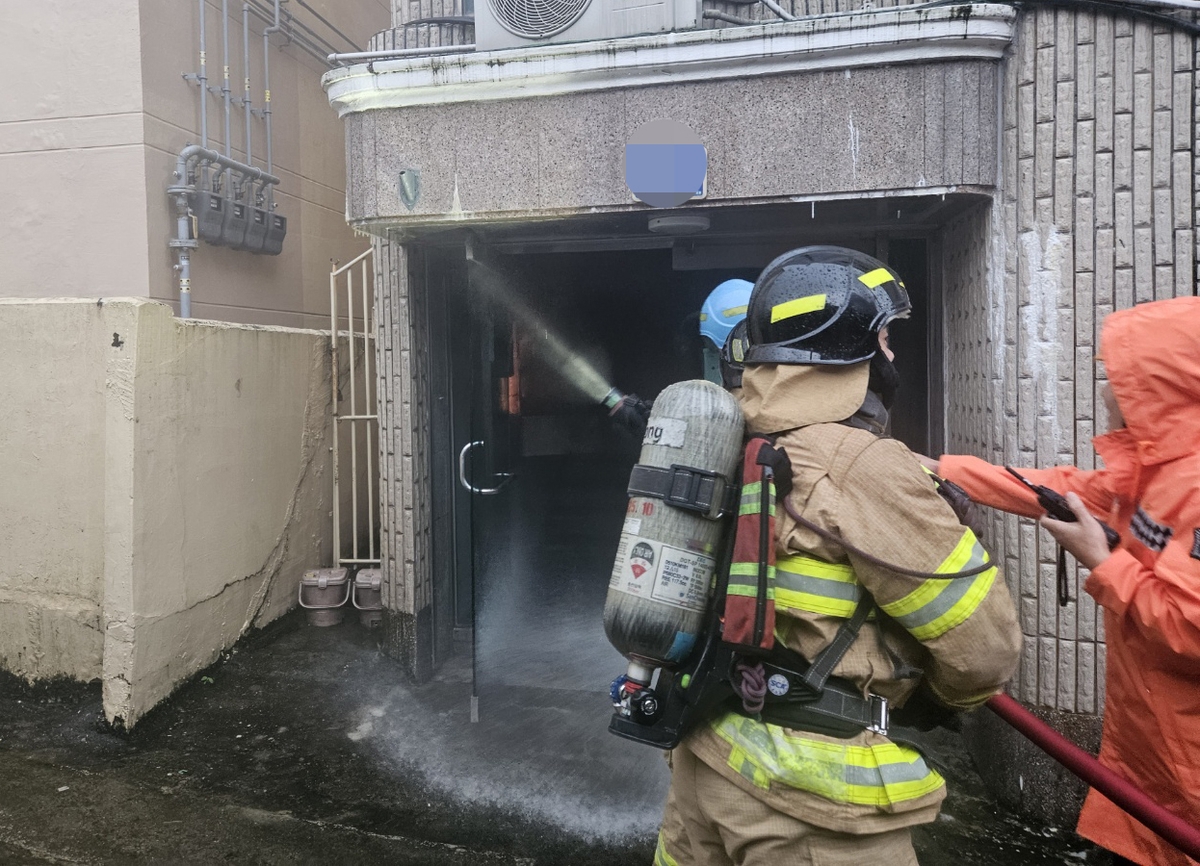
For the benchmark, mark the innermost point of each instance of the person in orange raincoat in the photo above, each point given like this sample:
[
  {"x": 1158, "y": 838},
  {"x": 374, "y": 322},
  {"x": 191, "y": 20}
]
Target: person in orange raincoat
[{"x": 1149, "y": 587}]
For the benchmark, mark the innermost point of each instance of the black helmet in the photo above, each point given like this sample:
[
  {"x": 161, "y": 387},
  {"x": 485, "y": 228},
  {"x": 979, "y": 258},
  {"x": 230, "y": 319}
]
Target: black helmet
[
  {"x": 733, "y": 356},
  {"x": 822, "y": 305}
]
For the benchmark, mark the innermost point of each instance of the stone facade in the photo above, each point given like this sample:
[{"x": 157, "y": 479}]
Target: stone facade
[
  {"x": 1097, "y": 214},
  {"x": 404, "y": 455}
]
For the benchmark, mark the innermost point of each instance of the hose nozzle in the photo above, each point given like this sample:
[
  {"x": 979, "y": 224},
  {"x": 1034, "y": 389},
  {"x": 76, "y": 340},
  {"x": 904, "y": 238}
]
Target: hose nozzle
[{"x": 612, "y": 399}]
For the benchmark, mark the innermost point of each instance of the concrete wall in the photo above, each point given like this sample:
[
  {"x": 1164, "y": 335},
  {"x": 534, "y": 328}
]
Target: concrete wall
[
  {"x": 167, "y": 484},
  {"x": 52, "y": 460},
  {"x": 87, "y": 150}
]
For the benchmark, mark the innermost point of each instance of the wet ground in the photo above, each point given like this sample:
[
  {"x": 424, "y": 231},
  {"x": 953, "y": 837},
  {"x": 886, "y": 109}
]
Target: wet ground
[{"x": 306, "y": 745}]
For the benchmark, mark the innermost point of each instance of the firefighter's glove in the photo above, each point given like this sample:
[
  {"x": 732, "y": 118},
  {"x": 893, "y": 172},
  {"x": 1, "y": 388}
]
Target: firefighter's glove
[
  {"x": 923, "y": 712},
  {"x": 965, "y": 509},
  {"x": 632, "y": 413}
]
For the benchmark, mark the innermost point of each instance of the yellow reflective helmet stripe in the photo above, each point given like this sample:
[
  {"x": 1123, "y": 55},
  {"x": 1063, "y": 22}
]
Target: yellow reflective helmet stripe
[
  {"x": 940, "y": 604},
  {"x": 797, "y": 307},
  {"x": 876, "y": 278},
  {"x": 881, "y": 775},
  {"x": 734, "y": 311}
]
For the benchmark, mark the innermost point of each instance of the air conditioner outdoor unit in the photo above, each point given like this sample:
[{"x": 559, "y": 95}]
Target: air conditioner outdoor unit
[{"x": 501, "y": 24}]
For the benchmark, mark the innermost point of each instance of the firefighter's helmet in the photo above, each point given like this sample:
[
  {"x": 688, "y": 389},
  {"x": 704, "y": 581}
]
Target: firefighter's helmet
[
  {"x": 723, "y": 308},
  {"x": 822, "y": 305}
]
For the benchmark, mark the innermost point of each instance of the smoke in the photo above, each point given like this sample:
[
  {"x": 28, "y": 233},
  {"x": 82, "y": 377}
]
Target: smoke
[{"x": 571, "y": 366}]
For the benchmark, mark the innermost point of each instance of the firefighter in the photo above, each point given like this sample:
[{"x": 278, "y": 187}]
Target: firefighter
[
  {"x": 819, "y": 376},
  {"x": 723, "y": 309},
  {"x": 1149, "y": 586}
]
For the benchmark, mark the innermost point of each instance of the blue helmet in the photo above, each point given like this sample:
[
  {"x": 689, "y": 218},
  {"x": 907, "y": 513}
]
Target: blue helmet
[{"x": 724, "y": 308}]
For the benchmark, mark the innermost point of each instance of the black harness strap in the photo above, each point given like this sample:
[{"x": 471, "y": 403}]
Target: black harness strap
[
  {"x": 823, "y": 664},
  {"x": 686, "y": 487}
]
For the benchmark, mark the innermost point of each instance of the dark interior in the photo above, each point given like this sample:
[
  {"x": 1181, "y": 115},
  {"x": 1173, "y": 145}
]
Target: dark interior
[{"x": 533, "y": 586}]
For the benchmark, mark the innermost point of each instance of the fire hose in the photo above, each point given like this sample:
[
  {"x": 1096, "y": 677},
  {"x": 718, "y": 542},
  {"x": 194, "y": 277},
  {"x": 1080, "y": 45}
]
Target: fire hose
[{"x": 1112, "y": 785}]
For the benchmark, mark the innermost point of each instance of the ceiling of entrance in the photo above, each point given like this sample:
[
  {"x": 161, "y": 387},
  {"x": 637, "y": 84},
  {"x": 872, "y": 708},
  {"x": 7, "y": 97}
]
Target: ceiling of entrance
[{"x": 899, "y": 216}]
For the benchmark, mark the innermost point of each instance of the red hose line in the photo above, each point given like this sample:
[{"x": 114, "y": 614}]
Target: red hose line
[{"x": 1115, "y": 787}]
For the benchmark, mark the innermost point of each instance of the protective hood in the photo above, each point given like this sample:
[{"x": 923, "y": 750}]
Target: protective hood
[
  {"x": 778, "y": 397},
  {"x": 1151, "y": 354}
]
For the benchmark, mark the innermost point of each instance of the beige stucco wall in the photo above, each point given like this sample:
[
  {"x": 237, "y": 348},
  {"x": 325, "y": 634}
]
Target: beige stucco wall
[
  {"x": 167, "y": 483},
  {"x": 88, "y": 144},
  {"x": 71, "y": 166}
]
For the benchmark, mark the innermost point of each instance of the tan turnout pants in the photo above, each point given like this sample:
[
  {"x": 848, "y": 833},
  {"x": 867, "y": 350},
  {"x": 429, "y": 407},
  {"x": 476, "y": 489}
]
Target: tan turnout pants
[{"x": 709, "y": 821}]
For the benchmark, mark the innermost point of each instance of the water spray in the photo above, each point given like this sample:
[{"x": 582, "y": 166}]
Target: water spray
[{"x": 570, "y": 365}]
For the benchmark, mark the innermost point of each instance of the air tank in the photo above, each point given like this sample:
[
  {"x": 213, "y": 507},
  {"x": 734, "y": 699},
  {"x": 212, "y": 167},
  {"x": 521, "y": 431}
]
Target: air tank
[{"x": 662, "y": 577}]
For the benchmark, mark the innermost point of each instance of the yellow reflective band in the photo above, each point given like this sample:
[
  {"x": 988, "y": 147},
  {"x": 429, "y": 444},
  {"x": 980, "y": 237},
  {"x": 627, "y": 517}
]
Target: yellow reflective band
[
  {"x": 734, "y": 311},
  {"x": 877, "y": 277},
  {"x": 800, "y": 564},
  {"x": 748, "y": 569},
  {"x": 879, "y": 775},
  {"x": 816, "y": 586},
  {"x": 745, "y": 591},
  {"x": 963, "y": 552},
  {"x": 940, "y": 604},
  {"x": 798, "y": 307},
  {"x": 661, "y": 856},
  {"x": 960, "y": 611},
  {"x": 790, "y": 599}
]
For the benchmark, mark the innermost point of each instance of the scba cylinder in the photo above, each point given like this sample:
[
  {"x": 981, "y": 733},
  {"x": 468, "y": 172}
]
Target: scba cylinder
[{"x": 667, "y": 557}]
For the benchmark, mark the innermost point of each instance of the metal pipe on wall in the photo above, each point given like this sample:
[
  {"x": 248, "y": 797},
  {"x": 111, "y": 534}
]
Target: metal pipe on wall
[
  {"x": 226, "y": 93},
  {"x": 246, "y": 71},
  {"x": 274, "y": 28},
  {"x": 203, "y": 82},
  {"x": 267, "y": 93}
]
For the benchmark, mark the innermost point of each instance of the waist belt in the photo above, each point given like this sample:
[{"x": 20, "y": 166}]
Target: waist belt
[
  {"x": 838, "y": 710},
  {"x": 685, "y": 487}
]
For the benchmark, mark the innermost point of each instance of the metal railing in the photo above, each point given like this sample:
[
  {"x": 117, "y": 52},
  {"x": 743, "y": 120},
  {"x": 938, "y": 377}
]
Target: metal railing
[{"x": 368, "y": 419}]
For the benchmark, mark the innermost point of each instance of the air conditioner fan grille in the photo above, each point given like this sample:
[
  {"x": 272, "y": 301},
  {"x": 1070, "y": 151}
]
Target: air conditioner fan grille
[{"x": 537, "y": 19}]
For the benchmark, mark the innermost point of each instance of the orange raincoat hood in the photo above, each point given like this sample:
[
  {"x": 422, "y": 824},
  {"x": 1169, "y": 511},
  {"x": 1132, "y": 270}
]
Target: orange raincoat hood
[{"x": 1152, "y": 356}]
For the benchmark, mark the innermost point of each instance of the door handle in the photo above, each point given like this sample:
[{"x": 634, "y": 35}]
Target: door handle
[{"x": 462, "y": 473}]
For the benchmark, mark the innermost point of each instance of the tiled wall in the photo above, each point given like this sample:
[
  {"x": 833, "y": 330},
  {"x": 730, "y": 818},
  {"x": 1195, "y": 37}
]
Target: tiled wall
[{"x": 1096, "y": 212}]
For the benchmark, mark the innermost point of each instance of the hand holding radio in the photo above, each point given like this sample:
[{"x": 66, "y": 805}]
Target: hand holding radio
[{"x": 1088, "y": 539}]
